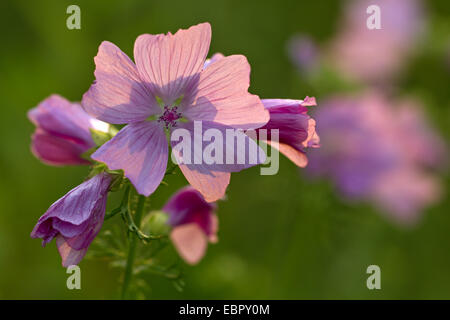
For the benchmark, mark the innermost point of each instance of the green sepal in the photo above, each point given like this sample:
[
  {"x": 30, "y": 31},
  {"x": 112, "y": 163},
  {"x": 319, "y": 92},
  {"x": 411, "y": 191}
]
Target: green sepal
[{"x": 99, "y": 137}]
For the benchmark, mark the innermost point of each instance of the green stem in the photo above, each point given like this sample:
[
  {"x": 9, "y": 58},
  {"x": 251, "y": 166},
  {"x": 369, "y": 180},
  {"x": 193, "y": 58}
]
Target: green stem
[{"x": 132, "y": 247}]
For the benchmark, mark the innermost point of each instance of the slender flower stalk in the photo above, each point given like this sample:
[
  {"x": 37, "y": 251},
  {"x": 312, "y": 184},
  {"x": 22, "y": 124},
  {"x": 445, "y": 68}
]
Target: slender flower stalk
[{"x": 132, "y": 248}]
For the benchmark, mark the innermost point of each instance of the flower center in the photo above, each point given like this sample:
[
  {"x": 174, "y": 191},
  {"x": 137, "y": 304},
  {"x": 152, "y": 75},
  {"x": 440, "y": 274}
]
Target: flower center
[{"x": 170, "y": 116}]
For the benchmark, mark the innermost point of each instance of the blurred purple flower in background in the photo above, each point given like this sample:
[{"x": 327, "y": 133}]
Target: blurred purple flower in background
[
  {"x": 194, "y": 223},
  {"x": 62, "y": 131},
  {"x": 75, "y": 219},
  {"x": 379, "y": 151},
  {"x": 376, "y": 55},
  {"x": 304, "y": 53}
]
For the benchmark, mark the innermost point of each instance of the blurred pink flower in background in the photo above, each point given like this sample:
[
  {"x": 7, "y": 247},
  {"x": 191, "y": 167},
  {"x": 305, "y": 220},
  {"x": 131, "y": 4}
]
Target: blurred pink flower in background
[
  {"x": 194, "y": 223},
  {"x": 379, "y": 151},
  {"x": 376, "y": 55}
]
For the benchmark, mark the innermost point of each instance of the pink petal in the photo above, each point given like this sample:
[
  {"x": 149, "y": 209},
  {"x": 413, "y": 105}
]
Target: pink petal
[
  {"x": 57, "y": 151},
  {"x": 214, "y": 58},
  {"x": 296, "y": 156},
  {"x": 211, "y": 184},
  {"x": 188, "y": 206},
  {"x": 214, "y": 229},
  {"x": 141, "y": 151},
  {"x": 288, "y": 104},
  {"x": 313, "y": 139},
  {"x": 60, "y": 117},
  {"x": 190, "y": 242},
  {"x": 212, "y": 179},
  {"x": 222, "y": 96},
  {"x": 69, "y": 255},
  {"x": 309, "y": 102},
  {"x": 118, "y": 95},
  {"x": 170, "y": 63}
]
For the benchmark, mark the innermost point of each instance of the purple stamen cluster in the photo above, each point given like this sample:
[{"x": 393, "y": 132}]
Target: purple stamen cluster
[{"x": 170, "y": 116}]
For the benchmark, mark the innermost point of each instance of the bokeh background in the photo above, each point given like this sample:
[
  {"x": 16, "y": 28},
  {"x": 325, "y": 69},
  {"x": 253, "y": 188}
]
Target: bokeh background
[{"x": 281, "y": 237}]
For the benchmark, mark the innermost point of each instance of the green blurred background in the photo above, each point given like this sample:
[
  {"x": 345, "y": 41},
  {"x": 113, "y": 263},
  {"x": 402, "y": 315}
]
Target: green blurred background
[{"x": 282, "y": 236}]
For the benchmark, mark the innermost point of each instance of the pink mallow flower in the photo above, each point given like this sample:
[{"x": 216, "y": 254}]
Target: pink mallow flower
[
  {"x": 62, "y": 131},
  {"x": 75, "y": 219},
  {"x": 380, "y": 151},
  {"x": 296, "y": 129},
  {"x": 376, "y": 55},
  {"x": 167, "y": 88},
  {"x": 194, "y": 223}
]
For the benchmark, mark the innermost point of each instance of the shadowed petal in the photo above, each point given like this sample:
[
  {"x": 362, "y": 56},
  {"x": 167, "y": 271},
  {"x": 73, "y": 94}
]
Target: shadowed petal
[
  {"x": 222, "y": 96},
  {"x": 170, "y": 63},
  {"x": 210, "y": 175},
  {"x": 141, "y": 151},
  {"x": 118, "y": 95}
]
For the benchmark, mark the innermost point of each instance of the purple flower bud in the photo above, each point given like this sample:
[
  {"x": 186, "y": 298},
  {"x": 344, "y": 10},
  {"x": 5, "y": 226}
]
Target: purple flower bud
[
  {"x": 194, "y": 223},
  {"x": 75, "y": 219},
  {"x": 62, "y": 131},
  {"x": 296, "y": 128}
]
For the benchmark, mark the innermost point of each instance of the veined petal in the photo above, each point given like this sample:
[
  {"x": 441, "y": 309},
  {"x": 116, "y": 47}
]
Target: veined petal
[
  {"x": 118, "y": 94},
  {"x": 207, "y": 163},
  {"x": 170, "y": 64},
  {"x": 211, "y": 184},
  {"x": 69, "y": 255},
  {"x": 81, "y": 208},
  {"x": 141, "y": 151},
  {"x": 221, "y": 96},
  {"x": 214, "y": 58}
]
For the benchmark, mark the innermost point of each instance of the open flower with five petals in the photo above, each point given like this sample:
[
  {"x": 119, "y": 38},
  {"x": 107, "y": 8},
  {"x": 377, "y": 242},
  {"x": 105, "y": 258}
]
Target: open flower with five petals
[{"x": 168, "y": 87}]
